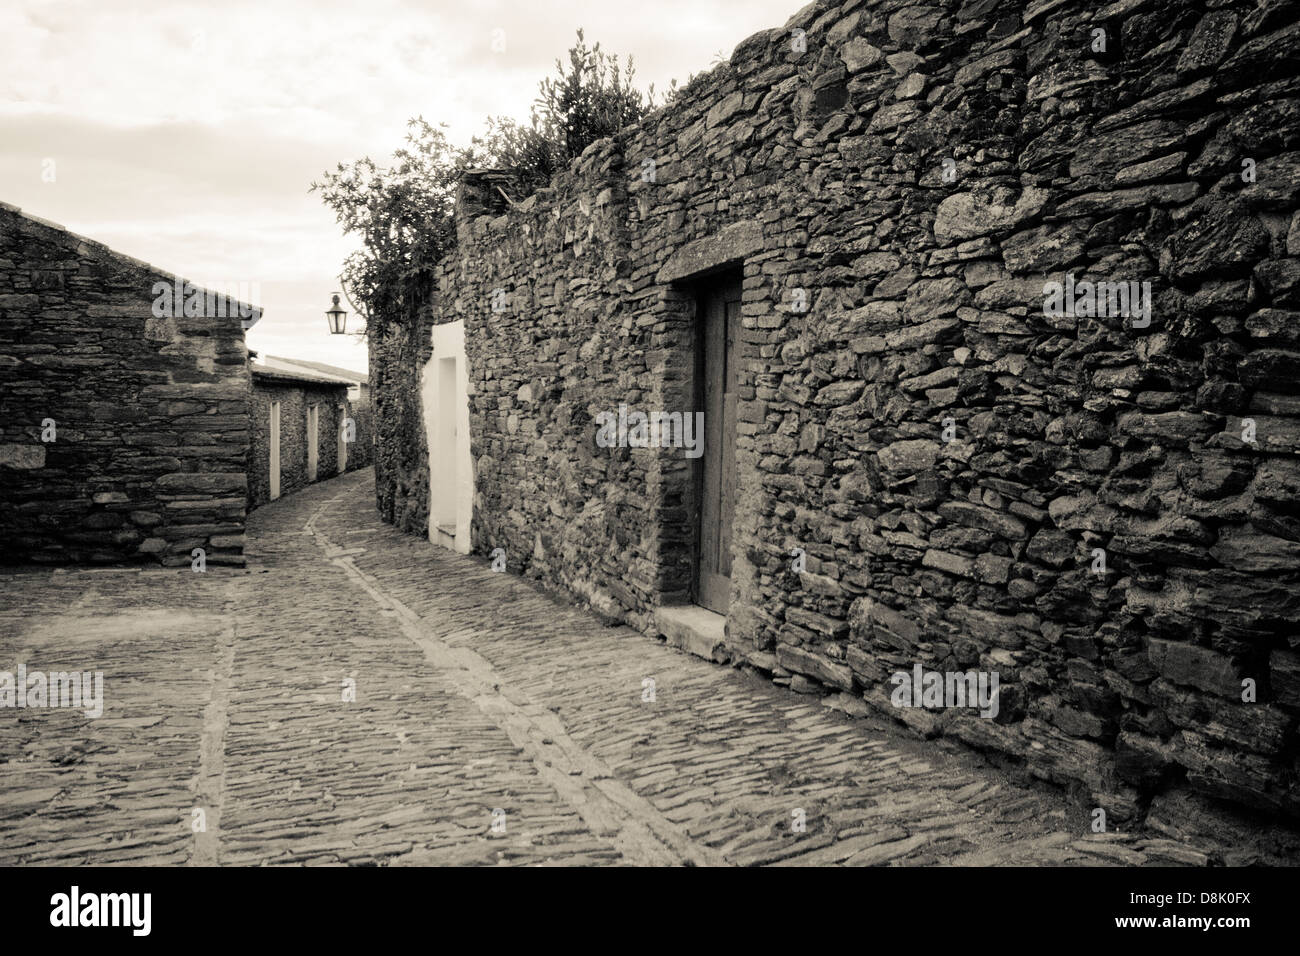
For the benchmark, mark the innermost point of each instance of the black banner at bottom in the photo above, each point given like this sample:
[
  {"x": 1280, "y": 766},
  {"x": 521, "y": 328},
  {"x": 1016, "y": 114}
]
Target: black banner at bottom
[{"x": 301, "y": 906}]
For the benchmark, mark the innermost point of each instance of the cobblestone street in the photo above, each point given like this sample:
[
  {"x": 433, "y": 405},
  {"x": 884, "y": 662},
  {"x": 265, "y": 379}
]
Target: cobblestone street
[{"x": 477, "y": 735}]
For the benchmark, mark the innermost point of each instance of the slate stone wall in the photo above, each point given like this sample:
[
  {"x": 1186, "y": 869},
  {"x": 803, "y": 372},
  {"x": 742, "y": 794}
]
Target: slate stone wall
[
  {"x": 401, "y": 451},
  {"x": 293, "y": 399},
  {"x": 150, "y": 415},
  {"x": 1102, "y": 511},
  {"x": 361, "y": 453}
]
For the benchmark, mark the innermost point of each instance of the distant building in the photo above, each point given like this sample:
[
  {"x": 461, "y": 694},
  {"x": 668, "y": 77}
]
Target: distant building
[
  {"x": 304, "y": 430},
  {"x": 358, "y": 391}
]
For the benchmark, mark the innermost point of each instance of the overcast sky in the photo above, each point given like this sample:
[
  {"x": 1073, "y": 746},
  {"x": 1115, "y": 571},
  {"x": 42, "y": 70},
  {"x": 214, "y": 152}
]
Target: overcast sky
[{"x": 187, "y": 132}]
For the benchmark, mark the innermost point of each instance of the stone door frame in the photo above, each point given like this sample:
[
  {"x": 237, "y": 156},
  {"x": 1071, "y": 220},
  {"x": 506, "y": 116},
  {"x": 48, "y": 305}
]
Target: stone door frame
[{"x": 684, "y": 274}]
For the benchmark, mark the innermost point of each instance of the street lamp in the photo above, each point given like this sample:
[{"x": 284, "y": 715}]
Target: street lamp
[{"x": 337, "y": 317}]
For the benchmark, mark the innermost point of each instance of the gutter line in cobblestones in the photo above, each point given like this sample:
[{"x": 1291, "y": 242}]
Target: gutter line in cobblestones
[{"x": 210, "y": 782}]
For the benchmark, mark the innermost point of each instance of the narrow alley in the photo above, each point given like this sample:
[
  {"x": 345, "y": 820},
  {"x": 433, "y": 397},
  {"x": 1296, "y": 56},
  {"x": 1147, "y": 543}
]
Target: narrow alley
[{"x": 360, "y": 696}]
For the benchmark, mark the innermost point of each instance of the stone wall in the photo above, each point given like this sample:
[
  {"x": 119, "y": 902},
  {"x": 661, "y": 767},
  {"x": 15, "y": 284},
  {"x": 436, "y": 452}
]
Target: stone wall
[
  {"x": 149, "y": 416},
  {"x": 401, "y": 452},
  {"x": 1104, "y": 512},
  {"x": 361, "y": 453},
  {"x": 294, "y": 398}
]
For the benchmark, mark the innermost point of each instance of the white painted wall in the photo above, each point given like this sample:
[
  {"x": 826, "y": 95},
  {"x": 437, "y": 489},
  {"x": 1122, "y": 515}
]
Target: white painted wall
[
  {"x": 313, "y": 441},
  {"x": 342, "y": 443},
  {"x": 274, "y": 450},
  {"x": 444, "y": 399}
]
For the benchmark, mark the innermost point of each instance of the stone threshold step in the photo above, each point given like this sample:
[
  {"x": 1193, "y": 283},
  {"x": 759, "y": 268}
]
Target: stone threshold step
[{"x": 694, "y": 629}]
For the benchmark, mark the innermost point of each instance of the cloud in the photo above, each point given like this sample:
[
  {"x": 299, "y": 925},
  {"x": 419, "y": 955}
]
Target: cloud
[{"x": 187, "y": 133}]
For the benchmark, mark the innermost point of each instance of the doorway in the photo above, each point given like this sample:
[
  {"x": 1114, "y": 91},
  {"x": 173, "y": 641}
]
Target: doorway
[
  {"x": 444, "y": 394},
  {"x": 443, "y": 501},
  {"x": 313, "y": 441},
  {"x": 342, "y": 454},
  {"x": 275, "y": 450},
  {"x": 717, "y": 367}
]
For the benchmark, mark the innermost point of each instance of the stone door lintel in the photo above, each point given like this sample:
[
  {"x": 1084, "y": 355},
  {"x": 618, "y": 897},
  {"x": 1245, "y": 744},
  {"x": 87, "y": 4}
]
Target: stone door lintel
[{"x": 727, "y": 247}]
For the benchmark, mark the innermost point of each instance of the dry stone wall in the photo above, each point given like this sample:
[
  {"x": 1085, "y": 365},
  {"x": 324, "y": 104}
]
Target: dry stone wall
[
  {"x": 361, "y": 453},
  {"x": 1101, "y": 508},
  {"x": 123, "y": 436},
  {"x": 401, "y": 453}
]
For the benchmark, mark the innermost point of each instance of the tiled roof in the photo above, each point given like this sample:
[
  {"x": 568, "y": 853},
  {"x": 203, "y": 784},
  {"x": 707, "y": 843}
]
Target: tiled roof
[
  {"x": 279, "y": 374},
  {"x": 357, "y": 377}
]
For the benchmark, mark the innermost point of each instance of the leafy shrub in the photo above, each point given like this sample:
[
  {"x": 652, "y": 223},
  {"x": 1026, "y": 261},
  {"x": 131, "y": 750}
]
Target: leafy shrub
[{"x": 403, "y": 213}]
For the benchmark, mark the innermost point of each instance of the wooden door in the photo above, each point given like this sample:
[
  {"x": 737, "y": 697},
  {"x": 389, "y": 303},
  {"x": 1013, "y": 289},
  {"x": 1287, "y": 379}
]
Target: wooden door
[{"x": 720, "y": 340}]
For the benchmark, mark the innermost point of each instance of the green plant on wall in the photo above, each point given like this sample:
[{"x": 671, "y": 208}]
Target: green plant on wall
[
  {"x": 403, "y": 212},
  {"x": 591, "y": 97},
  {"x": 403, "y": 215}
]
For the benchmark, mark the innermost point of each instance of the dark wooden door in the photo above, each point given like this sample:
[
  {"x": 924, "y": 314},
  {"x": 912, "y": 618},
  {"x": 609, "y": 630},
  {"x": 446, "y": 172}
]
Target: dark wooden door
[{"x": 720, "y": 337}]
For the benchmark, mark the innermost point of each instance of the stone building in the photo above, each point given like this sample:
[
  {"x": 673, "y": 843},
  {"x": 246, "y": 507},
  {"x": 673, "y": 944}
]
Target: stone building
[
  {"x": 358, "y": 382},
  {"x": 991, "y": 308},
  {"x": 360, "y": 452},
  {"x": 299, "y": 432},
  {"x": 123, "y": 414}
]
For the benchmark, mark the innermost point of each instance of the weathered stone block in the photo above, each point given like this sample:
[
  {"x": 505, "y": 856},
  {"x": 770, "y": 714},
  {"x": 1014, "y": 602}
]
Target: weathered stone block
[
  {"x": 22, "y": 456},
  {"x": 1256, "y": 726},
  {"x": 1051, "y": 547},
  {"x": 1209, "y": 42},
  {"x": 1248, "y": 549},
  {"x": 1284, "y": 675},
  {"x": 1193, "y": 666},
  {"x": 923, "y": 334},
  {"x": 985, "y": 212},
  {"x": 1222, "y": 238},
  {"x": 820, "y": 584},
  {"x": 935, "y": 298},
  {"x": 909, "y": 456},
  {"x": 950, "y": 563},
  {"x": 858, "y": 55},
  {"x": 868, "y": 616},
  {"x": 729, "y": 245},
  {"x": 913, "y": 27},
  {"x": 818, "y": 623},
  {"x": 210, "y": 483},
  {"x": 979, "y": 516},
  {"x": 803, "y": 661}
]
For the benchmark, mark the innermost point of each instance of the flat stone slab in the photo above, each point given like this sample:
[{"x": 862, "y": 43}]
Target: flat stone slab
[
  {"x": 694, "y": 629},
  {"x": 702, "y": 256}
]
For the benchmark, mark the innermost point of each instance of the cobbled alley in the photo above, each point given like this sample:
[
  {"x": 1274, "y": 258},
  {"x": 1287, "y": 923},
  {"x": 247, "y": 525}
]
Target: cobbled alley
[{"x": 360, "y": 696}]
